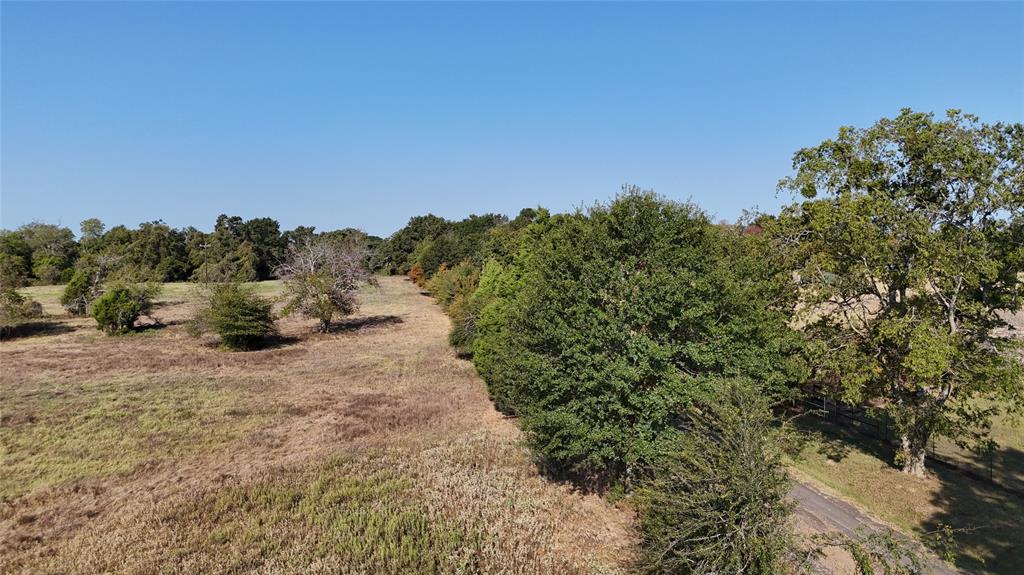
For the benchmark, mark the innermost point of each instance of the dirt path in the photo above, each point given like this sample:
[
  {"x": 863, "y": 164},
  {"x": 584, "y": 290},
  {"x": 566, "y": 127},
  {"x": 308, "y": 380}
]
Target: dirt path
[{"x": 823, "y": 513}]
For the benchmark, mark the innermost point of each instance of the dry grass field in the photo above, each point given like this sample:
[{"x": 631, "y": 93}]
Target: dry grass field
[{"x": 373, "y": 449}]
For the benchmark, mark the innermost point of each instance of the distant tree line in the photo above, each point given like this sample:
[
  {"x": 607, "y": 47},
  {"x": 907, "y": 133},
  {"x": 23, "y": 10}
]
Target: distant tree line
[
  {"x": 236, "y": 249},
  {"x": 113, "y": 275}
]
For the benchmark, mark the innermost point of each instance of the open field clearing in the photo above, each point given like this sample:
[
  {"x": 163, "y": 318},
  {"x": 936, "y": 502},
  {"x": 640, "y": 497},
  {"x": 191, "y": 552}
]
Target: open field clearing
[{"x": 372, "y": 449}]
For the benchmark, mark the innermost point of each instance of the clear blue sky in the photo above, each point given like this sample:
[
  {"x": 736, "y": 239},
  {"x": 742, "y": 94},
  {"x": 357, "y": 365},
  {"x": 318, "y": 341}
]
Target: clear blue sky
[{"x": 338, "y": 114}]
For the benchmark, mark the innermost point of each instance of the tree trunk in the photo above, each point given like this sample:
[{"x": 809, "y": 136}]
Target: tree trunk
[{"x": 912, "y": 452}]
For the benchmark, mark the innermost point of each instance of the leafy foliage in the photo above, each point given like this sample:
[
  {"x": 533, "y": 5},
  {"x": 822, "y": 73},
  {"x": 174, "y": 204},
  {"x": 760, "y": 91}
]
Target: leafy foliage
[
  {"x": 322, "y": 275},
  {"x": 86, "y": 285},
  {"x": 450, "y": 283},
  {"x": 431, "y": 242},
  {"x": 15, "y": 259},
  {"x": 117, "y": 309},
  {"x": 13, "y": 271},
  {"x": 237, "y": 314},
  {"x": 718, "y": 500},
  {"x": 416, "y": 275},
  {"x": 43, "y": 251},
  {"x": 79, "y": 293},
  {"x": 606, "y": 322},
  {"x": 392, "y": 256},
  {"x": 909, "y": 253},
  {"x": 16, "y": 309}
]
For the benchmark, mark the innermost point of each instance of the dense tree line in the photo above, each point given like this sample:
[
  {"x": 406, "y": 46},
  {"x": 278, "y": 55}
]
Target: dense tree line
[
  {"x": 428, "y": 242},
  {"x": 236, "y": 249},
  {"x": 113, "y": 275},
  {"x": 615, "y": 334}
]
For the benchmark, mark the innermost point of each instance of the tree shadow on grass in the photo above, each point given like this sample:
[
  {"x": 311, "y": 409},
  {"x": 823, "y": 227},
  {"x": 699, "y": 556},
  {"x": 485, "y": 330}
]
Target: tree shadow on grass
[
  {"x": 168, "y": 303},
  {"x": 157, "y": 324},
  {"x": 836, "y": 442},
  {"x": 277, "y": 342},
  {"x": 35, "y": 329},
  {"x": 988, "y": 520},
  {"x": 267, "y": 343},
  {"x": 360, "y": 323}
]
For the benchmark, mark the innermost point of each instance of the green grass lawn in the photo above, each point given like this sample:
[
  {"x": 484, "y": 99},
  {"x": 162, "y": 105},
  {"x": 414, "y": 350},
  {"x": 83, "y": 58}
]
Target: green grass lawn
[{"x": 990, "y": 534}]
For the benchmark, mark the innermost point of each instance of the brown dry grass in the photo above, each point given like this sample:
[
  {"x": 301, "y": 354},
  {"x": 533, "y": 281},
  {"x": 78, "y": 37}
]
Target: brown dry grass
[{"x": 373, "y": 449}]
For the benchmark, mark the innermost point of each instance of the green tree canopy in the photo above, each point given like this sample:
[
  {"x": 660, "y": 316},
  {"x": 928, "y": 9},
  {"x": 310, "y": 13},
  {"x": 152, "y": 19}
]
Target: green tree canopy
[
  {"x": 910, "y": 246},
  {"x": 606, "y": 322},
  {"x": 46, "y": 252}
]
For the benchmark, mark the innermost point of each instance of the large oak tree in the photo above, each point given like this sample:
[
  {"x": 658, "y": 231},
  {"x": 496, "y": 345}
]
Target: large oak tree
[{"x": 909, "y": 247}]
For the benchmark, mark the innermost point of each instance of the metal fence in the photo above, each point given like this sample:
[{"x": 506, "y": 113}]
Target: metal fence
[{"x": 1003, "y": 467}]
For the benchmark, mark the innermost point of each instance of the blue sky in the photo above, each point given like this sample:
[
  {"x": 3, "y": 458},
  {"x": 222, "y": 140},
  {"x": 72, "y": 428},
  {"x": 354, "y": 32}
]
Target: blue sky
[{"x": 344, "y": 114}]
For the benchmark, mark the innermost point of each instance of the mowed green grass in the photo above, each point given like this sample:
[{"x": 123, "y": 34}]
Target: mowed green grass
[{"x": 988, "y": 519}]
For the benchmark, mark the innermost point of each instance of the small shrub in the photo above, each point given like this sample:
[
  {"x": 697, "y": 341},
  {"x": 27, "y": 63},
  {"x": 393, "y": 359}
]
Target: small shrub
[
  {"x": 16, "y": 309},
  {"x": 241, "y": 318},
  {"x": 416, "y": 274},
  {"x": 448, "y": 283},
  {"x": 116, "y": 310},
  {"x": 79, "y": 293},
  {"x": 718, "y": 502},
  {"x": 121, "y": 305},
  {"x": 321, "y": 278}
]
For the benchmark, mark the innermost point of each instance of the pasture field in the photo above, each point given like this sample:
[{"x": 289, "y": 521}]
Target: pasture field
[{"x": 372, "y": 449}]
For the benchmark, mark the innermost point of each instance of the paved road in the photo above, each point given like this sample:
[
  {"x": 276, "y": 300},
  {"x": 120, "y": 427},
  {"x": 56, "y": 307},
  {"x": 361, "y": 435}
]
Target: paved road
[{"x": 826, "y": 513}]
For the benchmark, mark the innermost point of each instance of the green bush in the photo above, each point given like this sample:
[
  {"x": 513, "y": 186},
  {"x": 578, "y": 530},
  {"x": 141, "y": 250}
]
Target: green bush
[
  {"x": 79, "y": 293},
  {"x": 466, "y": 309},
  {"x": 116, "y": 310},
  {"x": 16, "y": 309},
  {"x": 718, "y": 500},
  {"x": 448, "y": 283},
  {"x": 241, "y": 318},
  {"x": 13, "y": 272},
  {"x": 606, "y": 322}
]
